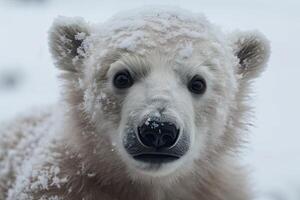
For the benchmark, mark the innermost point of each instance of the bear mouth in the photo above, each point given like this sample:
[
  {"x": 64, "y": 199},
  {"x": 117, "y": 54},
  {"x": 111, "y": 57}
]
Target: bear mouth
[{"x": 156, "y": 158}]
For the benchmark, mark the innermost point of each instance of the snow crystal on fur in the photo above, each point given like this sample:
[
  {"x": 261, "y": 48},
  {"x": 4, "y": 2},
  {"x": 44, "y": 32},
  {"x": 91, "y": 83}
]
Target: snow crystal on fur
[
  {"x": 28, "y": 146},
  {"x": 129, "y": 30}
]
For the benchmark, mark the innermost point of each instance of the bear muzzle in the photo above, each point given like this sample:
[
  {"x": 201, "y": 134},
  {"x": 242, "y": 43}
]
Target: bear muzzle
[{"x": 156, "y": 141}]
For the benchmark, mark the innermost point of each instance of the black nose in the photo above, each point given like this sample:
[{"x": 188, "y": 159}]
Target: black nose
[{"x": 158, "y": 134}]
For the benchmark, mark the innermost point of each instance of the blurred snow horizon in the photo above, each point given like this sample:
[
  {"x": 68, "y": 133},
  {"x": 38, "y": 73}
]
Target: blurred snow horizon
[{"x": 28, "y": 77}]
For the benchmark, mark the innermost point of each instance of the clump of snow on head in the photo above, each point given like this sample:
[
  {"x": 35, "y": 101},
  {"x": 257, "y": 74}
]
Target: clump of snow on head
[
  {"x": 142, "y": 29},
  {"x": 186, "y": 50},
  {"x": 129, "y": 43}
]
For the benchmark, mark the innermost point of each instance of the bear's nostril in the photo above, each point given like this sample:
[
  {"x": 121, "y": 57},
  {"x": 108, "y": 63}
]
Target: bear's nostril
[
  {"x": 167, "y": 140},
  {"x": 149, "y": 139},
  {"x": 158, "y": 134}
]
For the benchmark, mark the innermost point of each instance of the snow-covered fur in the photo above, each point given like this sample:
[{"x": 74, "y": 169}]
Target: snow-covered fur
[{"x": 76, "y": 150}]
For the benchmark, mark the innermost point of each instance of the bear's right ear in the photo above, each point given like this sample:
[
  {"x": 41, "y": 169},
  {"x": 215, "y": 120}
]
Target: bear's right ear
[
  {"x": 252, "y": 50},
  {"x": 66, "y": 41}
]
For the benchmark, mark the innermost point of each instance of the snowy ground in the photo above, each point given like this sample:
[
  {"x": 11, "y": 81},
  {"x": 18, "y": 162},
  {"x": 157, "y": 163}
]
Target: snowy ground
[{"x": 30, "y": 78}]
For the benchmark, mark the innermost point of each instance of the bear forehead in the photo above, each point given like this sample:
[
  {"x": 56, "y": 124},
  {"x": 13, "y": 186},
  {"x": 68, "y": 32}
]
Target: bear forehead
[{"x": 169, "y": 29}]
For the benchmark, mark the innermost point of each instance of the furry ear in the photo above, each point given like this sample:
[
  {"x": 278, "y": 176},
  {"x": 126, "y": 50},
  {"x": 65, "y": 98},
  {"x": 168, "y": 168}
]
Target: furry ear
[
  {"x": 253, "y": 50},
  {"x": 66, "y": 41}
]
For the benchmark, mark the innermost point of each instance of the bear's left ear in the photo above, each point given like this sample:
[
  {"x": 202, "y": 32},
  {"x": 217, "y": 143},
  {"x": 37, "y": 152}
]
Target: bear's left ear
[
  {"x": 252, "y": 50},
  {"x": 66, "y": 41}
]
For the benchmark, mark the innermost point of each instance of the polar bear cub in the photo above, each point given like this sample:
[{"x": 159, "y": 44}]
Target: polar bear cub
[{"x": 154, "y": 107}]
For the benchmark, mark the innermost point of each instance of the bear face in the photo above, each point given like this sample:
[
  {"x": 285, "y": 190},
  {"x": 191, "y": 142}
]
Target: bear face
[{"x": 158, "y": 91}]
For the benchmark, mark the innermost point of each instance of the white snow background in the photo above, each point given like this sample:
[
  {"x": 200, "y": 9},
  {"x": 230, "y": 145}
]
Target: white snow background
[{"x": 29, "y": 79}]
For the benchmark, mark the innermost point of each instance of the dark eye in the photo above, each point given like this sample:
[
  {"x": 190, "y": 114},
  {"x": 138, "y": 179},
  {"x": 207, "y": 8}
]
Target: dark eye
[
  {"x": 197, "y": 85},
  {"x": 123, "y": 80}
]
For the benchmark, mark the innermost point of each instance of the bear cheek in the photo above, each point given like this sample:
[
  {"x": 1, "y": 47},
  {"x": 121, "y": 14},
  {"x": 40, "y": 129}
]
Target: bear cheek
[{"x": 110, "y": 107}]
